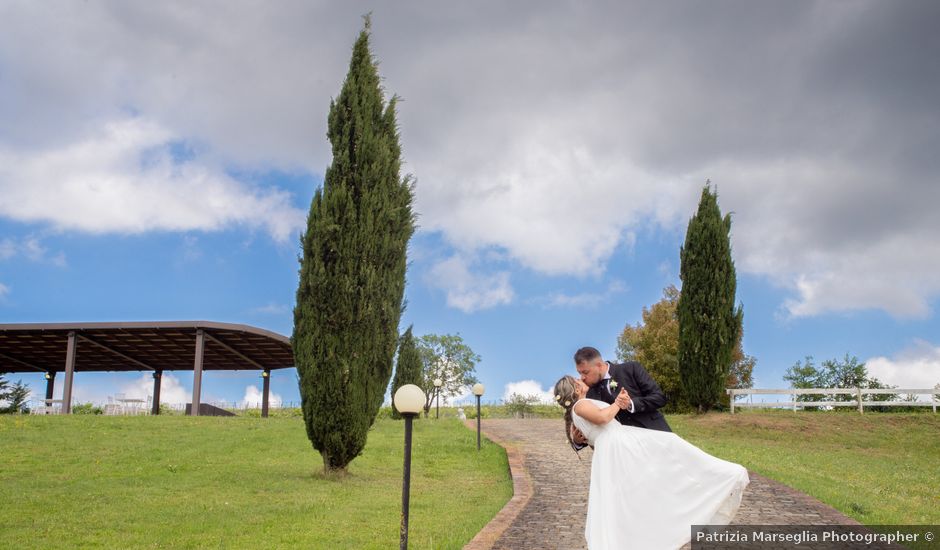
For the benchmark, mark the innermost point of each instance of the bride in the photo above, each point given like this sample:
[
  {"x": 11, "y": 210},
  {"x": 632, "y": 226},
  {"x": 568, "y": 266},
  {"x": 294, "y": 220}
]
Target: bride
[{"x": 648, "y": 487}]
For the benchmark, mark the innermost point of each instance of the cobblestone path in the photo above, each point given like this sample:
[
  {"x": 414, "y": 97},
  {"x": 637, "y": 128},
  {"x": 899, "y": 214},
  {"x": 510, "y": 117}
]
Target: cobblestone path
[{"x": 549, "y": 504}]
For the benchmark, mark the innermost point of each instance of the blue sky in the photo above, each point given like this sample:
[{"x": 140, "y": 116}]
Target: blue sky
[{"x": 157, "y": 163}]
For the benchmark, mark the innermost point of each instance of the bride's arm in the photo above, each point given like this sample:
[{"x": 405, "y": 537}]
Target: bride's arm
[{"x": 594, "y": 414}]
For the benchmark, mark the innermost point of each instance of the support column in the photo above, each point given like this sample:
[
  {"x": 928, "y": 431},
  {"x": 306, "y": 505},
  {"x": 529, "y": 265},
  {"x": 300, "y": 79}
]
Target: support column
[
  {"x": 50, "y": 384},
  {"x": 69, "y": 374},
  {"x": 265, "y": 392},
  {"x": 197, "y": 372},
  {"x": 157, "y": 377}
]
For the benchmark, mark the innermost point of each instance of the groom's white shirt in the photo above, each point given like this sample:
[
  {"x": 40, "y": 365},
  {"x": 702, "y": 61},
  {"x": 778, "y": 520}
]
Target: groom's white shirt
[{"x": 606, "y": 382}]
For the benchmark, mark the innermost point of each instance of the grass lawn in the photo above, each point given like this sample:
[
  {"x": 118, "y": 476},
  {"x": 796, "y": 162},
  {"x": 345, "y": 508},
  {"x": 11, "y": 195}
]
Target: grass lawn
[
  {"x": 182, "y": 482},
  {"x": 878, "y": 468}
]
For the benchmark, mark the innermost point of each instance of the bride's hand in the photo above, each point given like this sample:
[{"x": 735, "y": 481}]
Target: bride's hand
[{"x": 623, "y": 399}]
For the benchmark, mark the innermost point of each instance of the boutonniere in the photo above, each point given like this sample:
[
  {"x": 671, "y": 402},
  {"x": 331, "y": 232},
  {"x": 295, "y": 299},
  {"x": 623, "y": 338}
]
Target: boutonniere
[{"x": 612, "y": 385}]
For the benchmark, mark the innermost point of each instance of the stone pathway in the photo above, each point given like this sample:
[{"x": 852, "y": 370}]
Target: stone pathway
[{"x": 549, "y": 503}]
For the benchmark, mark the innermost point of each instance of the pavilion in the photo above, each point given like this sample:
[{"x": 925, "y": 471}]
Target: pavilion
[{"x": 195, "y": 346}]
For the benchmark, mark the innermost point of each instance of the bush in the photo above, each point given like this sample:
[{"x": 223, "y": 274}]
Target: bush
[
  {"x": 385, "y": 412},
  {"x": 86, "y": 408},
  {"x": 287, "y": 412},
  {"x": 167, "y": 410}
]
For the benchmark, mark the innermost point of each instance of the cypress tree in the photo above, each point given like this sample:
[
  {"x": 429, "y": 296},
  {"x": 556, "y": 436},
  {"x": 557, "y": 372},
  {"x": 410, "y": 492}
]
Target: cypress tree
[
  {"x": 352, "y": 272},
  {"x": 408, "y": 368},
  {"x": 709, "y": 323}
]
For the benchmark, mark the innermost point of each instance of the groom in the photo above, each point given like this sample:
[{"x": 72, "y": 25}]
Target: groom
[{"x": 605, "y": 380}]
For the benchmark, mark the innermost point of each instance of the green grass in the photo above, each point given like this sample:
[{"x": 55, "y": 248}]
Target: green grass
[
  {"x": 183, "y": 482},
  {"x": 878, "y": 468}
]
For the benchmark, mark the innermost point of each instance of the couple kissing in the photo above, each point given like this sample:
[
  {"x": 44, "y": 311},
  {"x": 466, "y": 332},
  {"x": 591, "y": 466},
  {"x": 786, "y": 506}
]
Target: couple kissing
[{"x": 648, "y": 485}]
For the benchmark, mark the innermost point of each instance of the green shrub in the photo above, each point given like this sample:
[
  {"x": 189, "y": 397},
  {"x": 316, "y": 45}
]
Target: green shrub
[
  {"x": 293, "y": 412},
  {"x": 86, "y": 408}
]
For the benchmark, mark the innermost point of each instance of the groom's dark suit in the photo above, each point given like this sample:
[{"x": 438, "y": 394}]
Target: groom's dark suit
[{"x": 643, "y": 390}]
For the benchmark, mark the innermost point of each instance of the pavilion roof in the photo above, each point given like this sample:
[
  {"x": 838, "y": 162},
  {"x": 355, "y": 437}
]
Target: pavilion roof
[{"x": 141, "y": 346}]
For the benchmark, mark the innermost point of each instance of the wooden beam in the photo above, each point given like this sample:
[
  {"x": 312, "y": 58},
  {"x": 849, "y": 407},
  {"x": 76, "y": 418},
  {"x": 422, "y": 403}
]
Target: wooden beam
[
  {"x": 116, "y": 352},
  {"x": 157, "y": 378},
  {"x": 197, "y": 371},
  {"x": 70, "y": 353},
  {"x": 236, "y": 352},
  {"x": 265, "y": 392},
  {"x": 20, "y": 361}
]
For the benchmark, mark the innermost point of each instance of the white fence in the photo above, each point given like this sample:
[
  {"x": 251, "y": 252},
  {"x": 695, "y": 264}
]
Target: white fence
[
  {"x": 131, "y": 407},
  {"x": 857, "y": 393}
]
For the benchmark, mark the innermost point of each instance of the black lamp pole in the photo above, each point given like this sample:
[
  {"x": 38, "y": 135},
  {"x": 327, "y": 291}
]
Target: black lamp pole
[
  {"x": 478, "y": 422},
  {"x": 406, "y": 483},
  {"x": 437, "y": 403}
]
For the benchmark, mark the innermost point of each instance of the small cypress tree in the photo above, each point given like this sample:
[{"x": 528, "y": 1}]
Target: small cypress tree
[
  {"x": 352, "y": 272},
  {"x": 408, "y": 369},
  {"x": 709, "y": 323}
]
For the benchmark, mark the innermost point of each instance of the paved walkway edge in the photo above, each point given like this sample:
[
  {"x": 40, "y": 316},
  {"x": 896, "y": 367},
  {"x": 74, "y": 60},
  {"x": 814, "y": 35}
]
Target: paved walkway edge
[{"x": 521, "y": 493}]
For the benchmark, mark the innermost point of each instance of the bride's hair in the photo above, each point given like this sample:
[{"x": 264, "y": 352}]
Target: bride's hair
[{"x": 566, "y": 393}]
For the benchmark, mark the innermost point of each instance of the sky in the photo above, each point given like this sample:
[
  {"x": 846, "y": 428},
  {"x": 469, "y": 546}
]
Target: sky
[{"x": 157, "y": 162}]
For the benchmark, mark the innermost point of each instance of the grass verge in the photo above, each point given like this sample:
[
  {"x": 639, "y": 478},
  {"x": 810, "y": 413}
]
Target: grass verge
[
  {"x": 183, "y": 482},
  {"x": 879, "y": 468}
]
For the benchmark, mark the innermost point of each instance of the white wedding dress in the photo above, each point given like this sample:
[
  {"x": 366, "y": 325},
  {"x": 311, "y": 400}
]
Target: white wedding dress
[{"x": 649, "y": 487}]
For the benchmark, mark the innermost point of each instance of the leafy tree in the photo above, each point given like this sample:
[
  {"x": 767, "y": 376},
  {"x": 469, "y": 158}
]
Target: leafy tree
[
  {"x": 408, "y": 367},
  {"x": 654, "y": 342},
  {"x": 14, "y": 396},
  {"x": 709, "y": 322},
  {"x": 848, "y": 373},
  {"x": 352, "y": 272},
  {"x": 519, "y": 405},
  {"x": 446, "y": 357},
  {"x": 741, "y": 374}
]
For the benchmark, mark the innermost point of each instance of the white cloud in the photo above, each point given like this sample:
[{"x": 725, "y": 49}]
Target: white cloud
[
  {"x": 253, "y": 397},
  {"x": 272, "y": 308},
  {"x": 4, "y": 291},
  {"x": 528, "y": 387},
  {"x": 915, "y": 368},
  {"x": 589, "y": 300},
  {"x": 123, "y": 178},
  {"x": 468, "y": 291},
  {"x": 190, "y": 250},
  {"x": 32, "y": 249},
  {"x": 85, "y": 393},
  {"x": 530, "y": 146},
  {"x": 808, "y": 230},
  {"x": 107, "y": 388},
  {"x": 7, "y": 249},
  {"x": 171, "y": 391}
]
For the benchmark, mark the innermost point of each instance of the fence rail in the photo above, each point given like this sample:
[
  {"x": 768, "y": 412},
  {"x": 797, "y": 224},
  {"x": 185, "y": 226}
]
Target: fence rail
[
  {"x": 54, "y": 406},
  {"x": 858, "y": 393}
]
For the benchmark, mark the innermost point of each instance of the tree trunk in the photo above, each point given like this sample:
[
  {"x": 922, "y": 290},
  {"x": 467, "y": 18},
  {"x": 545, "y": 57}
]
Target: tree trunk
[{"x": 338, "y": 471}]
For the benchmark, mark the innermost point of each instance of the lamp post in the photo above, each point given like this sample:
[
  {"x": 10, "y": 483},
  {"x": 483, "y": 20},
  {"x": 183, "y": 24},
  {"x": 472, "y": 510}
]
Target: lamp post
[
  {"x": 409, "y": 400},
  {"x": 478, "y": 391},
  {"x": 50, "y": 383},
  {"x": 437, "y": 396},
  {"x": 265, "y": 392}
]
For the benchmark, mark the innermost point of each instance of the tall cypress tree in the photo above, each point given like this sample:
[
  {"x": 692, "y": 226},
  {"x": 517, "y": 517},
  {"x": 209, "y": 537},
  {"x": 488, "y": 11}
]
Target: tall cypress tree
[
  {"x": 709, "y": 323},
  {"x": 408, "y": 368},
  {"x": 352, "y": 273}
]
